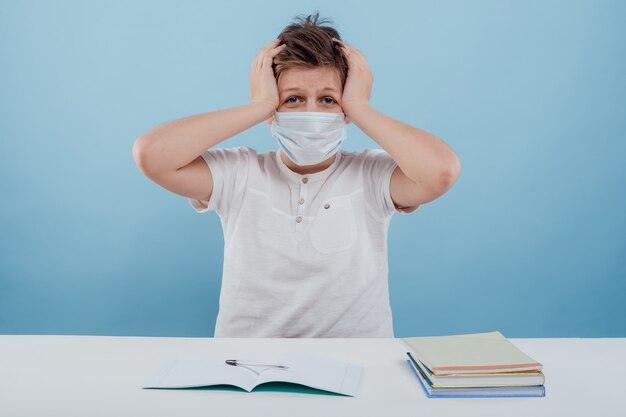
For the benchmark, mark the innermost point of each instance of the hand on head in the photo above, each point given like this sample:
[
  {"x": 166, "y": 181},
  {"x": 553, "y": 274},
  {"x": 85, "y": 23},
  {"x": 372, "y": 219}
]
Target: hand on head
[
  {"x": 358, "y": 87},
  {"x": 263, "y": 87}
]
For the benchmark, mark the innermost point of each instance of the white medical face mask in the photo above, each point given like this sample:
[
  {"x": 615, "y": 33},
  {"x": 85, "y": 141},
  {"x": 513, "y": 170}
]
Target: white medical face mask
[{"x": 308, "y": 138}]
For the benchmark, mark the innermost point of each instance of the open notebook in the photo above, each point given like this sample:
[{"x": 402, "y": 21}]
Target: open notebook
[{"x": 303, "y": 368}]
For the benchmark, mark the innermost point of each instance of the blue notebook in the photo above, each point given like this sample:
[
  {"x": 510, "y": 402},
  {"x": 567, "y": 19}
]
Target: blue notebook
[{"x": 476, "y": 392}]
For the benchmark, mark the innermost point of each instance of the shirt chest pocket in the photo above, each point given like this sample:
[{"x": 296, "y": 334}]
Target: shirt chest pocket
[{"x": 334, "y": 228}]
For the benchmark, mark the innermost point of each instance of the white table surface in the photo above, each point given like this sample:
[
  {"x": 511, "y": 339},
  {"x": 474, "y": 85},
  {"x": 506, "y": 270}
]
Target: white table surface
[{"x": 103, "y": 376}]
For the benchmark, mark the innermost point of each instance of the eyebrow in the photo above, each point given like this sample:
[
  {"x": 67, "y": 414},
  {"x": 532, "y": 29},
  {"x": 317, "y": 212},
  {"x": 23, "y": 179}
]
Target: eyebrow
[{"x": 299, "y": 89}]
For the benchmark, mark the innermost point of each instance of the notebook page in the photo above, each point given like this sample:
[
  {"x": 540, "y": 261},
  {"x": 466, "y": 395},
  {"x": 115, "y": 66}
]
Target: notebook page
[
  {"x": 198, "y": 373},
  {"x": 316, "y": 372}
]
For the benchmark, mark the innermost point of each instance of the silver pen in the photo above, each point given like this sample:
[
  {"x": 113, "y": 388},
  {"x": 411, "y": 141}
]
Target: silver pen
[{"x": 235, "y": 362}]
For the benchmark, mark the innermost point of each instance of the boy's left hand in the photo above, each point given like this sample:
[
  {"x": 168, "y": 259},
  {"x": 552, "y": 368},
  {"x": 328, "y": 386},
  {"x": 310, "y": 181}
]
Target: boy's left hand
[{"x": 358, "y": 88}]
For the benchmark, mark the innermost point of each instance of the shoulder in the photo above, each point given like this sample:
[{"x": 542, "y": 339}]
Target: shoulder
[
  {"x": 253, "y": 154},
  {"x": 233, "y": 151},
  {"x": 243, "y": 160},
  {"x": 233, "y": 156},
  {"x": 369, "y": 160},
  {"x": 366, "y": 155}
]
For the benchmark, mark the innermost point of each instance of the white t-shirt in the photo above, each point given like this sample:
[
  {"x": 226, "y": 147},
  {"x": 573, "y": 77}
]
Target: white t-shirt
[{"x": 304, "y": 255}]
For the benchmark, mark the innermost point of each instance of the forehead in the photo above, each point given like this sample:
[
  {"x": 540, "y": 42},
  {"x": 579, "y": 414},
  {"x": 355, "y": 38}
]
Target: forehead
[{"x": 309, "y": 79}]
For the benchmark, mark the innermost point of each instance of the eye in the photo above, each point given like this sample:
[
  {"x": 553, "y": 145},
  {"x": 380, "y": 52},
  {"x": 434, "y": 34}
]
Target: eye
[
  {"x": 292, "y": 97},
  {"x": 332, "y": 100}
]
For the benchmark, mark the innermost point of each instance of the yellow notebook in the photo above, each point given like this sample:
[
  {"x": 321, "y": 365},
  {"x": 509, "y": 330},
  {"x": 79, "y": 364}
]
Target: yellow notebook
[
  {"x": 491, "y": 379},
  {"x": 470, "y": 354}
]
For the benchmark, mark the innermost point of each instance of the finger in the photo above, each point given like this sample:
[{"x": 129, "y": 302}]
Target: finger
[
  {"x": 344, "y": 45},
  {"x": 267, "y": 61},
  {"x": 358, "y": 56},
  {"x": 272, "y": 44},
  {"x": 267, "y": 57},
  {"x": 341, "y": 44},
  {"x": 346, "y": 49},
  {"x": 264, "y": 50},
  {"x": 258, "y": 61},
  {"x": 348, "y": 54},
  {"x": 361, "y": 66},
  {"x": 255, "y": 62},
  {"x": 277, "y": 50}
]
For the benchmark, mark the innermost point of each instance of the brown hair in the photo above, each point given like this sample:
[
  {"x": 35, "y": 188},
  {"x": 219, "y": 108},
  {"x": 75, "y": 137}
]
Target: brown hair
[{"x": 309, "y": 44}]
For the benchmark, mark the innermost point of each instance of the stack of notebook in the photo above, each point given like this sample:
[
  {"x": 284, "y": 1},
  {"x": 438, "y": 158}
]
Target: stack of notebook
[{"x": 474, "y": 365}]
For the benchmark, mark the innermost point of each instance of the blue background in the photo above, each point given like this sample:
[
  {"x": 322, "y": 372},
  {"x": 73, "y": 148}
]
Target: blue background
[{"x": 531, "y": 95}]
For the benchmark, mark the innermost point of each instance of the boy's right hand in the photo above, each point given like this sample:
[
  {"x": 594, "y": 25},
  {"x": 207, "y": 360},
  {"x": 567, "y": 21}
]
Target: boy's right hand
[{"x": 263, "y": 86}]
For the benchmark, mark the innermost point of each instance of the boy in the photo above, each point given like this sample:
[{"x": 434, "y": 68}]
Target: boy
[{"x": 305, "y": 227}]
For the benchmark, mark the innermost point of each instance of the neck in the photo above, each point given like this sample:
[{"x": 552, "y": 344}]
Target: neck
[{"x": 307, "y": 169}]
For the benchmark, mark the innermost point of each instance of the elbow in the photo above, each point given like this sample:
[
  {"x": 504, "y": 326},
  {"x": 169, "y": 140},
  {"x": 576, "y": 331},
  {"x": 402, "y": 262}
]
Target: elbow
[
  {"x": 141, "y": 155},
  {"x": 450, "y": 172}
]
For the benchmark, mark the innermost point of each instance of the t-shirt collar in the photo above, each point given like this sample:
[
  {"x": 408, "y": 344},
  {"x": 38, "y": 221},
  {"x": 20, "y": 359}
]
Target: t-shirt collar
[{"x": 311, "y": 177}]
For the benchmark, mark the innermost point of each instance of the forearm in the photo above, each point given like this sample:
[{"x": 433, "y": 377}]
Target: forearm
[
  {"x": 175, "y": 144},
  {"x": 422, "y": 156}
]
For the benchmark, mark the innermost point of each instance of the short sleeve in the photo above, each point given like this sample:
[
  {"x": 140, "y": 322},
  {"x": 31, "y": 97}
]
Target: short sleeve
[
  {"x": 229, "y": 168},
  {"x": 378, "y": 167}
]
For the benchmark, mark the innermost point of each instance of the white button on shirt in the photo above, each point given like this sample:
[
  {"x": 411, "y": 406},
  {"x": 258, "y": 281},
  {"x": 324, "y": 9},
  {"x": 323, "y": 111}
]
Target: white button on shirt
[{"x": 296, "y": 269}]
